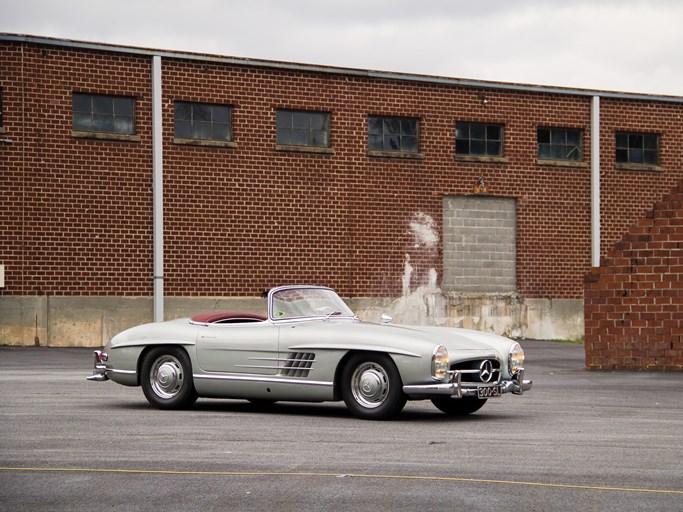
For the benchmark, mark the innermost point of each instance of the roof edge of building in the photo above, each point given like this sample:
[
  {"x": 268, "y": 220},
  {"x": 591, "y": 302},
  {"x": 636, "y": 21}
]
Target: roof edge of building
[{"x": 313, "y": 68}]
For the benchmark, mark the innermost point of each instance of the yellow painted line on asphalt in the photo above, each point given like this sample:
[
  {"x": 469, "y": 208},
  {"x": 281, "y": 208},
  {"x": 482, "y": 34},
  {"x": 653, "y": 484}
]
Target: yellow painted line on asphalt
[{"x": 344, "y": 475}]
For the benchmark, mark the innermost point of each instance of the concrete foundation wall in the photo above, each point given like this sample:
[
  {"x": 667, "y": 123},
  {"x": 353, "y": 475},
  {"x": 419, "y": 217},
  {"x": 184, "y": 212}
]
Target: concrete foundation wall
[{"x": 91, "y": 321}]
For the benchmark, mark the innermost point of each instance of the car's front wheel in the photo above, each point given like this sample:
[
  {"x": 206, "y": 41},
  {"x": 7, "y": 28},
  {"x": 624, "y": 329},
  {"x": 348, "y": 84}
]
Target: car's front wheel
[
  {"x": 371, "y": 387},
  {"x": 166, "y": 378},
  {"x": 458, "y": 406}
]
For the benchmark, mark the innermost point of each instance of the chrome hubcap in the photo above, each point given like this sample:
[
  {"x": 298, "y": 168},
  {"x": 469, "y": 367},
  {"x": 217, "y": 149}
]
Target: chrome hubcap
[
  {"x": 370, "y": 385},
  {"x": 166, "y": 377}
]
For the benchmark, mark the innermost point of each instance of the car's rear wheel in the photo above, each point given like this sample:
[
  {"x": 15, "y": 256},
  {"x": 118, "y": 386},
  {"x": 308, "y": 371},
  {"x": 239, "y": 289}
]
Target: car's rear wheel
[
  {"x": 166, "y": 378},
  {"x": 371, "y": 387},
  {"x": 458, "y": 406}
]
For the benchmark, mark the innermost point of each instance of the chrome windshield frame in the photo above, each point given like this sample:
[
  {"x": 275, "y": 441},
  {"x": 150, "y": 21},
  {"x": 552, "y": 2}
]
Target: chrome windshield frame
[{"x": 335, "y": 309}]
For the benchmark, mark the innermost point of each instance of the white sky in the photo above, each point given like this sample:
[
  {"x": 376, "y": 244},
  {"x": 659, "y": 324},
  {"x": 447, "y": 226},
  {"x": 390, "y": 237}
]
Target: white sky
[{"x": 615, "y": 45}]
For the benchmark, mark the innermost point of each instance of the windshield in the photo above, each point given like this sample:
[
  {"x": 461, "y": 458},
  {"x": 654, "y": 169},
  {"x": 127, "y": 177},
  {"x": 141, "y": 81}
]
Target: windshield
[{"x": 288, "y": 303}]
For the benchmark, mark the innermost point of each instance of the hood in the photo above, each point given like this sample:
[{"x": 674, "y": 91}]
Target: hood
[{"x": 400, "y": 338}]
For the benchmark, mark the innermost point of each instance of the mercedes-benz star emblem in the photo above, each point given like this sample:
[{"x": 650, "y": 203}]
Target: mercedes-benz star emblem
[{"x": 485, "y": 370}]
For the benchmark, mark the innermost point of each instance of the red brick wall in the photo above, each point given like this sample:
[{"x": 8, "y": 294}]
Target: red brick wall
[
  {"x": 634, "y": 302},
  {"x": 78, "y": 217}
]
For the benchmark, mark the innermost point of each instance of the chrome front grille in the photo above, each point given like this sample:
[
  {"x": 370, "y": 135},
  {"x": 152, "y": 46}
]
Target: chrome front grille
[
  {"x": 478, "y": 371},
  {"x": 298, "y": 364}
]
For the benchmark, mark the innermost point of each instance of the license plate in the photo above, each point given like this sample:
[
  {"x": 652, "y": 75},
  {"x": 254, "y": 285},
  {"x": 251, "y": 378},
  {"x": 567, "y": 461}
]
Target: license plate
[{"x": 489, "y": 392}]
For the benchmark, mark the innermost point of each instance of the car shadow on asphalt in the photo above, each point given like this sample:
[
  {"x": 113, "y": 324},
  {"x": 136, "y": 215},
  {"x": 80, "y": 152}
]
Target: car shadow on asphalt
[{"x": 319, "y": 410}]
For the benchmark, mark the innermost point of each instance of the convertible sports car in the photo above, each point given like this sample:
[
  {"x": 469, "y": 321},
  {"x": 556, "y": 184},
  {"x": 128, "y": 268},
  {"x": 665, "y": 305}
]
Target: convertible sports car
[{"x": 311, "y": 347}]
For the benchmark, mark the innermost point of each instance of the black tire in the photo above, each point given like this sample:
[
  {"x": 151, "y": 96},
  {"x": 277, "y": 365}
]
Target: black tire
[
  {"x": 166, "y": 378},
  {"x": 458, "y": 406},
  {"x": 371, "y": 387}
]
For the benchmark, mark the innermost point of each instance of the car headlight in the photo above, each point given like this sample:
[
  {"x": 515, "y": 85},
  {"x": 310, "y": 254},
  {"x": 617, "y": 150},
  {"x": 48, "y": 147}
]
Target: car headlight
[
  {"x": 515, "y": 358},
  {"x": 440, "y": 363}
]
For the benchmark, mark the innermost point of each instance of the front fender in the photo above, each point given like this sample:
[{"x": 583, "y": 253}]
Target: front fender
[{"x": 125, "y": 359}]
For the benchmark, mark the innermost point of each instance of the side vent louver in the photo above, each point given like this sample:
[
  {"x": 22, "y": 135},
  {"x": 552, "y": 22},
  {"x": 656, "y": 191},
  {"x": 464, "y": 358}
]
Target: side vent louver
[{"x": 298, "y": 364}]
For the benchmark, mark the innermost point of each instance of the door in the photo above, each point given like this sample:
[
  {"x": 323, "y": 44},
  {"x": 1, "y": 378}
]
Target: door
[{"x": 238, "y": 348}]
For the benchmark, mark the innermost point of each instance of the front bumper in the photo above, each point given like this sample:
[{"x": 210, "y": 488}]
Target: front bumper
[
  {"x": 99, "y": 374},
  {"x": 456, "y": 389}
]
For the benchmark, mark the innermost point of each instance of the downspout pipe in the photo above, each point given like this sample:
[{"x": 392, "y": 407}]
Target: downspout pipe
[
  {"x": 158, "y": 191},
  {"x": 595, "y": 181}
]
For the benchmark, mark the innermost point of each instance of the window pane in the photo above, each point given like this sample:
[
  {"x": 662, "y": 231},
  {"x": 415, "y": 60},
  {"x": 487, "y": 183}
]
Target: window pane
[
  {"x": 392, "y": 142},
  {"x": 103, "y": 105},
  {"x": 201, "y": 113},
  {"x": 102, "y": 123},
  {"x": 284, "y": 136},
  {"x": 622, "y": 155},
  {"x": 300, "y": 137},
  {"x": 82, "y": 121},
  {"x": 574, "y": 153},
  {"x": 375, "y": 125},
  {"x": 283, "y": 119},
  {"x": 123, "y": 125},
  {"x": 650, "y": 157},
  {"x": 409, "y": 144},
  {"x": 82, "y": 103},
  {"x": 202, "y": 130},
  {"x": 183, "y": 111},
  {"x": 544, "y": 151},
  {"x": 123, "y": 107},
  {"x": 462, "y": 131},
  {"x": 478, "y": 131},
  {"x": 392, "y": 125},
  {"x": 375, "y": 142},
  {"x": 301, "y": 120},
  {"x": 622, "y": 140},
  {"x": 221, "y": 115},
  {"x": 409, "y": 126},
  {"x": 573, "y": 137},
  {"x": 558, "y": 136},
  {"x": 319, "y": 138},
  {"x": 650, "y": 141},
  {"x": 493, "y": 132},
  {"x": 635, "y": 141},
  {"x": 183, "y": 129},
  {"x": 319, "y": 121},
  {"x": 558, "y": 152},
  {"x": 635, "y": 156},
  {"x": 462, "y": 146},
  {"x": 477, "y": 147},
  {"x": 494, "y": 148},
  {"x": 221, "y": 132},
  {"x": 543, "y": 136}
]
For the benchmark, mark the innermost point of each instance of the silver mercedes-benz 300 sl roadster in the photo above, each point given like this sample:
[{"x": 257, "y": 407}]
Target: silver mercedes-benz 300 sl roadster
[{"x": 312, "y": 348}]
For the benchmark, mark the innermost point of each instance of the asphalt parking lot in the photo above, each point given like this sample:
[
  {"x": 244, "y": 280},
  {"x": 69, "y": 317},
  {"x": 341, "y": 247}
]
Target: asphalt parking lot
[{"x": 578, "y": 441}]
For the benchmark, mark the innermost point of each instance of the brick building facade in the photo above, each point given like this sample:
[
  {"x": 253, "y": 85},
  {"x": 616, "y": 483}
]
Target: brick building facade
[
  {"x": 251, "y": 209},
  {"x": 634, "y": 300}
]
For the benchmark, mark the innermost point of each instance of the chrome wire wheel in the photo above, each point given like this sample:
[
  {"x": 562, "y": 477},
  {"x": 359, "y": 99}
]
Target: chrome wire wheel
[
  {"x": 166, "y": 377},
  {"x": 370, "y": 385}
]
